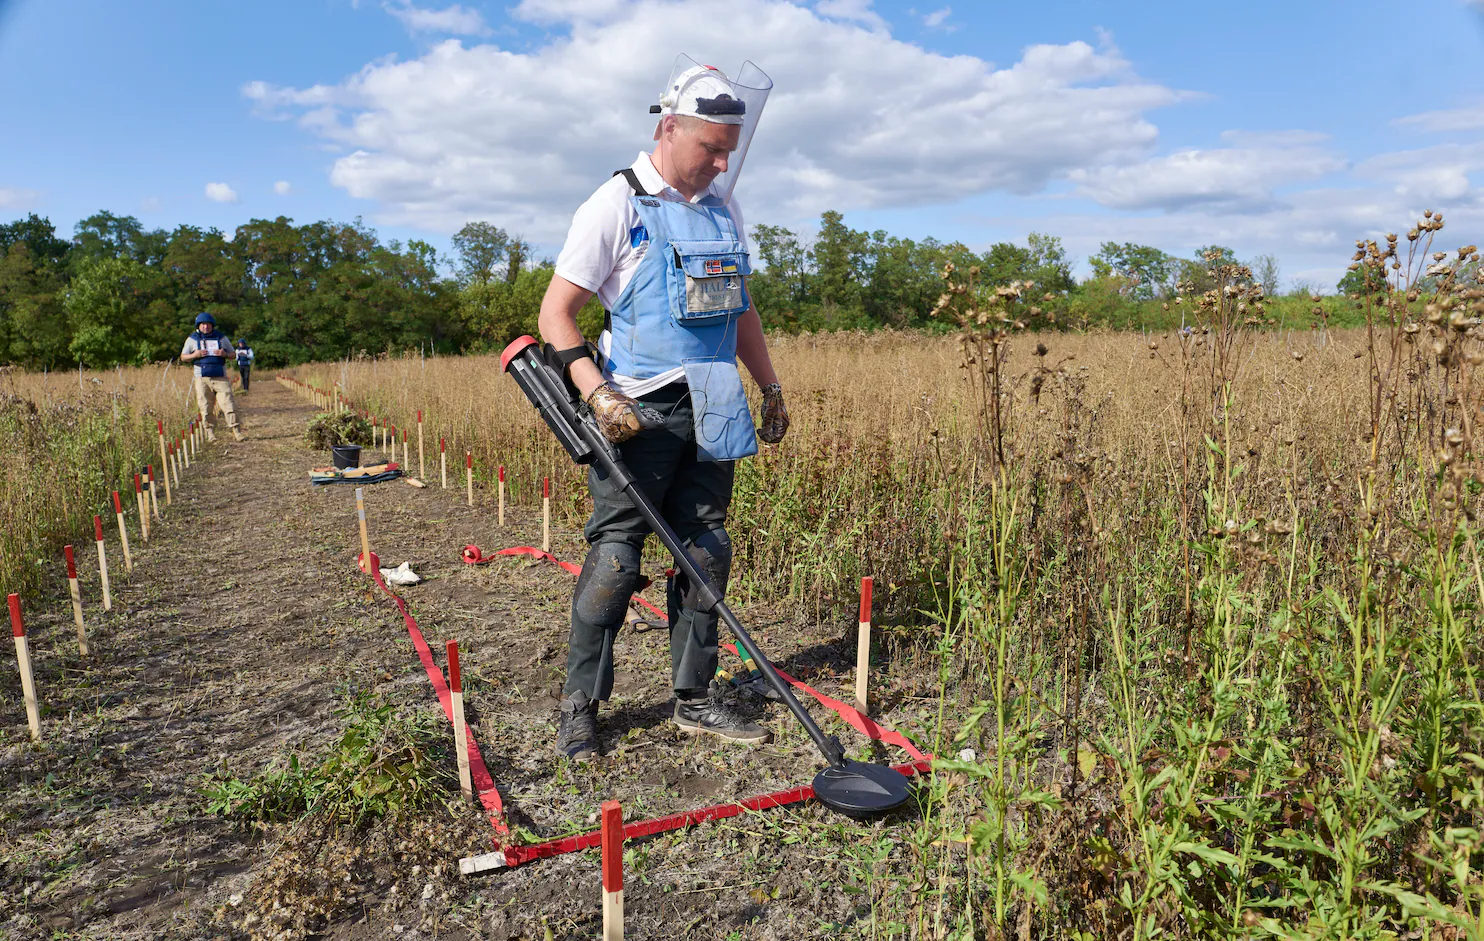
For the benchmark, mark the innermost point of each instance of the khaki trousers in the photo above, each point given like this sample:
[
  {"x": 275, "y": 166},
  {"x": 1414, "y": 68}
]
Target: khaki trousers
[{"x": 221, "y": 387}]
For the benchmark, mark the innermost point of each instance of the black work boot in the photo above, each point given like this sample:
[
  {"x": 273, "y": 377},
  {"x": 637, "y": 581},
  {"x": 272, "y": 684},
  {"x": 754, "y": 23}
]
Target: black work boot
[
  {"x": 710, "y": 715},
  {"x": 577, "y": 728}
]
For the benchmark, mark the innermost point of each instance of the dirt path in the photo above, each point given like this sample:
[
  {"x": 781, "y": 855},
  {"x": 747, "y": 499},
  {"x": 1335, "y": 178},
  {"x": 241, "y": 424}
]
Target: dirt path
[{"x": 235, "y": 643}]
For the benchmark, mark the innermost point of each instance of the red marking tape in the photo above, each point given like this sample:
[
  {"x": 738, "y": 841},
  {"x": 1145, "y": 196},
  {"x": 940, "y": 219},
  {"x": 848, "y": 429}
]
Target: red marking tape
[
  {"x": 16, "y": 627},
  {"x": 98, "y": 528},
  {"x": 469, "y": 459},
  {"x": 865, "y": 599},
  {"x": 545, "y": 487},
  {"x": 441, "y": 446},
  {"x": 71, "y": 562},
  {"x": 502, "y": 473},
  {"x": 516, "y": 855},
  {"x": 137, "y": 487},
  {"x": 117, "y": 506},
  {"x": 484, "y": 785}
]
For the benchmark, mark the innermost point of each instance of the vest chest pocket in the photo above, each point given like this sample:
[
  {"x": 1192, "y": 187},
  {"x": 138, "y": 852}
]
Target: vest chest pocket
[{"x": 705, "y": 281}]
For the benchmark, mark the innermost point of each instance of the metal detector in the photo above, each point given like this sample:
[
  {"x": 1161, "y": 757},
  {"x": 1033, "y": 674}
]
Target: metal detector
[{"x": 851, "y": 787}]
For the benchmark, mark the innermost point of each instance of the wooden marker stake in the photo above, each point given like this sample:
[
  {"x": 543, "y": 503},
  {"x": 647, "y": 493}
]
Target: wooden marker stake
[
  {"x": 422, "y": 470},
  {"x": 469, "y": 474},
  {"x": 612, "y": 871},
  {"x": 82, "y": 632},
  {"x": 393, "y": 429},
  {"x": 185, "y": 449},
  {"x": 443, "y": 461},
  {"x": 164, "y": 459},
  {"x": 365, "y": 562},
  {"x": 545, "y": 514},
  {"x": 23, "y": 658},
  {"x": 460, "y": 735},
  {"x": 118, "y": 512},
  {"x": 406, "y": 459},
  {"x": 502, "y": 494},
  {"x": 154, "y": 495},
  {"x": 375, "y": 433},
  {"x": 863, "y": 647},
  {"x": 143, "y": 509},
  {"x": 102, "y": 563}
]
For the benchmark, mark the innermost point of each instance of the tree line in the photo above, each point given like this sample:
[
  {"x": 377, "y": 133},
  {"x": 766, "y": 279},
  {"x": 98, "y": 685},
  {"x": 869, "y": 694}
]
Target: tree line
[{"x": 116, "y": 292}]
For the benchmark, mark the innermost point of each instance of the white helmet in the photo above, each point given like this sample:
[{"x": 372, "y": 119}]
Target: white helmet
[{"x": 705, "y": 92}]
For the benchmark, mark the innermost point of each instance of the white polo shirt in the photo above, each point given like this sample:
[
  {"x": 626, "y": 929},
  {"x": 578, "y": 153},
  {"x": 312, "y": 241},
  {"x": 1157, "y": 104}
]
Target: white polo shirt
[{"x": 599, "y": 254}]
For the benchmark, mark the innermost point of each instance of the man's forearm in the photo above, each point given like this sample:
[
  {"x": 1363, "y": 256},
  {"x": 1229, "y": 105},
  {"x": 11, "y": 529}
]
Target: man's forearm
[
  {"x": 752, "y": 349},
  {"x": 558, "y": 326}
]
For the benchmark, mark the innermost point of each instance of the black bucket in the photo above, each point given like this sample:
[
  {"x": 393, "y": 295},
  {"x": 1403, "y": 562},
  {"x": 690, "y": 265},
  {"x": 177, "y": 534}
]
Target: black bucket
[{"x": 346, "y": 455}]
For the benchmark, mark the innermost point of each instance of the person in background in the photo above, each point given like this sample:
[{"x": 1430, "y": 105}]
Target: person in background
[
  {"x": 244, "y": 364},
  {"x": 209, "y": 348}
]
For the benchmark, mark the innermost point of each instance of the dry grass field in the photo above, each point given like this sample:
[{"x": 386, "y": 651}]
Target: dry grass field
[{"x": 1195, "y": 615}]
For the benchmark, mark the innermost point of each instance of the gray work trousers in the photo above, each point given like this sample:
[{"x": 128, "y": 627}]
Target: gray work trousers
[{"x": 692, "y": 496}]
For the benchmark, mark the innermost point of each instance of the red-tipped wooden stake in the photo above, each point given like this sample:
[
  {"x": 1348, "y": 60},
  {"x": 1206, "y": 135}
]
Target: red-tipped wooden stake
[
  {"x": 422, "y": 470},
  {"x": 82, "y": 632},
  {"x": 170, "y": 471},
  {"x": 102, "y": 563},
  {"x": 502, "y": 494},
  {"x": 185, "y": 448},
  {"x": 118, "y": 512},
  {"x": 154, "y": 496},
  {"x": 612, "y": 871},
  {"x": 443, "y": 461},
  {"x": 365, "y": 560},
  {"x": 469, "y": 474},
  {"x": 863, "y": 647},
  {"x": 460, "y": 735},
  {"x": 164, "y": 459},
  {"x": 23, "y": 658},
  {"x": 143, "y": 509},
  {"x": 545, "y": 514}
]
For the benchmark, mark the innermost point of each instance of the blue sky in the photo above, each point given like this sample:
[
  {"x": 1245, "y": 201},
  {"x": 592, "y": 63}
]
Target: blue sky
[{"x": 1283, "y": 128}]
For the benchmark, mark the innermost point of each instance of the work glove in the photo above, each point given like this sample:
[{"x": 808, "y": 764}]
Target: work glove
[
  {"x": 617, "y": 414},
  {"x": 775, "y": 415}
]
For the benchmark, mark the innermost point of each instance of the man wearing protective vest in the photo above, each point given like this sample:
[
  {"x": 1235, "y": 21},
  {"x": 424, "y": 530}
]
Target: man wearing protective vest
[
  {"x": 244, "y": 364},
  {"x": 662, "y": 246},
  {"x": 209, "y": 348}
]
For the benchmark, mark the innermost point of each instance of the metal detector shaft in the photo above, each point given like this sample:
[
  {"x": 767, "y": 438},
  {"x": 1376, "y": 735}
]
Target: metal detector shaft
[{"x": 586, "y": 444}]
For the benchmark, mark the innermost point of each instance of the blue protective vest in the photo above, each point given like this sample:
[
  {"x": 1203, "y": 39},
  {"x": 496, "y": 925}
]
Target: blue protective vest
[
  {"x": 212, "y": 367},
  {"x": 681, "y": 309}
]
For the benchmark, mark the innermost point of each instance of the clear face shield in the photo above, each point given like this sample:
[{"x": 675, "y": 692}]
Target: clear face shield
[{"x": 706, "y": 93}]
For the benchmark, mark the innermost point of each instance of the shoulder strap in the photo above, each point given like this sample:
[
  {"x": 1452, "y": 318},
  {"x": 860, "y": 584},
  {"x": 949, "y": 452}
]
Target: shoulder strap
[{"x": 628, "y": 174}]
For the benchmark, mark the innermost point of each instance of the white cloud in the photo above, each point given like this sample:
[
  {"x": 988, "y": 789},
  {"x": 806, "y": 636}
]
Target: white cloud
[
  {"x": 854, "y": 11},
  {"x": 1242, "y": 177},
  {"x": 935, "y": 19},
  {"x": 15, "y": 198},
  {"x": 1449, "y": 119},
  {"x": 1429, "y": 174},
  {"x": 857, "y": 119},
  {"x": 282, "y": 188},
  {"x": 220, "y": 193},
  {"x": 456, "y": 20}
]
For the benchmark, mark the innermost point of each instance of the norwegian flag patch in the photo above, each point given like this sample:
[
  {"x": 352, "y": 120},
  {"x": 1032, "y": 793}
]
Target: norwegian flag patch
[{"x": 713, "y": 266}]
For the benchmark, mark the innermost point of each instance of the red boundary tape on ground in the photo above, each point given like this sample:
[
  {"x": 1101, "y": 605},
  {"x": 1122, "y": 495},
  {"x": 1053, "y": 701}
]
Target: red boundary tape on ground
[
  {"x": 516, "y": 855},
  {"x": 484, "y": 784}
]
